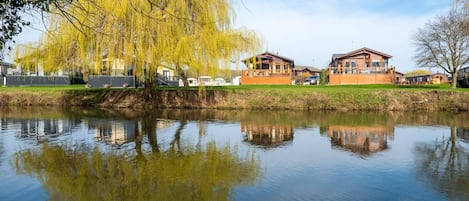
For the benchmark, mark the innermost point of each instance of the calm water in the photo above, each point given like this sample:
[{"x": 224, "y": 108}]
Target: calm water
[{"x": 82, "y": 154}]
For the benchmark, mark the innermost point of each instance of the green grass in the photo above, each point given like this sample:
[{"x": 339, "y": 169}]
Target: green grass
[
  {"x": 44, "y": 88},
  {"x": 291, "y": 88}
]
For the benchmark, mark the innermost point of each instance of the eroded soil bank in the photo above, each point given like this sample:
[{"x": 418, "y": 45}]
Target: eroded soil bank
[{"x": 386, "y": 100}]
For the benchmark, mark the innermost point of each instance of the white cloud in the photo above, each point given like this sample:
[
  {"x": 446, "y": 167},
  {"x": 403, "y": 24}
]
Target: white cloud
[{"x": 311, "y": 32}]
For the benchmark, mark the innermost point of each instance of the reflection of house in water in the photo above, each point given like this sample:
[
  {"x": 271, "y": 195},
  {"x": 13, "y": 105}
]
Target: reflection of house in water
[
  {"x": 113, "y": 131},
  {"x": 267, "y": 135},
  {"x": 463, "y": 133},
  {"x": 3, "y": 124},
  {"x": 361, "y": 140},
  {"x": 44, "y": 127},
  {"x": 119, "y": 132}
]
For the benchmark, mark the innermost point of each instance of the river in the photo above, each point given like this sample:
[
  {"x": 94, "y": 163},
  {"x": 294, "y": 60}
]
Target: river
[{"x": 89, "y": 154}]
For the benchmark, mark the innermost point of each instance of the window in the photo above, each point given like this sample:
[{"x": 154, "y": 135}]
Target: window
[
  {"x": 354, "y": 64},
  {"x": 375, "y": 64},
  {"x": 166, "y": 74},
  {"x": 347, "y": 64},
  {"x": 385, "y": 63}
]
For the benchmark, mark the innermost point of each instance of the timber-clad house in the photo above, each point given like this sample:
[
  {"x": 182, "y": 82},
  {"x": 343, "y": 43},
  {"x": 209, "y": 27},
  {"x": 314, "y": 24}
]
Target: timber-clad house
[
  {"x": 267, "y": 68},
  {"x": 362, "y": 66},
  {"x": 437, "y": 78}
]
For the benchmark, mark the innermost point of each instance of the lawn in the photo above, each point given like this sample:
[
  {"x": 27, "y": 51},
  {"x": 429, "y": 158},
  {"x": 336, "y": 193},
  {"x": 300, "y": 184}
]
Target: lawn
[
  {"x": 291, "y": 88},
  {"x": 44, "y": 88}
]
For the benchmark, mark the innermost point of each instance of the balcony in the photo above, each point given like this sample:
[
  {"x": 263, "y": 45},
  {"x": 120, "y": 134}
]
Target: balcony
[{"x": 266, "y": 73}]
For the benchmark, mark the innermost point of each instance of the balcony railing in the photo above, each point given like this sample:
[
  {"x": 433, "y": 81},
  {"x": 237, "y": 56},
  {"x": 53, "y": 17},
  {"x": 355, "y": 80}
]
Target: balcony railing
[
  {"x": 364, "y": 71},
  {"x": 265, "y": 73}
]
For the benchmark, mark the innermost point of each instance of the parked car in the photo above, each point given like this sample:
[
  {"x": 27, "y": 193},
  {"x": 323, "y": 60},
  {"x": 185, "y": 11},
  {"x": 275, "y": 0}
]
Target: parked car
[{"x": 311, "y": 80}]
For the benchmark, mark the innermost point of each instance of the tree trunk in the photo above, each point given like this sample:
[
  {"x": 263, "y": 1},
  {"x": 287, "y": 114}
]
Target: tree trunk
[
  {"x": 454, "y": 79},
  {"x": 183, "y": 77}
]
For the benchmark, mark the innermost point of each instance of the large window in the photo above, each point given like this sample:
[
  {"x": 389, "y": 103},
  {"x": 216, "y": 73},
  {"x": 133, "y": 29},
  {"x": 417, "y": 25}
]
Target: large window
[{"x": 375, "y": 64}]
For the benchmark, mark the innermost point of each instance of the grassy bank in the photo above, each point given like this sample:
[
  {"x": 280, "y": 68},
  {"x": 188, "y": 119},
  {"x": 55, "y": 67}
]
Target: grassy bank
[{"x": 342, "y": 98}]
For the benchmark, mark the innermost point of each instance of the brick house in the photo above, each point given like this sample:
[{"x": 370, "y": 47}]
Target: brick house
[
  {"x": 267, "y": 68},
  {"x": 362, "y": 66}
]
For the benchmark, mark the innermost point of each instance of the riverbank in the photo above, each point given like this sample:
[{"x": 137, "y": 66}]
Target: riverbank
[{"x": 265, "y": 98}]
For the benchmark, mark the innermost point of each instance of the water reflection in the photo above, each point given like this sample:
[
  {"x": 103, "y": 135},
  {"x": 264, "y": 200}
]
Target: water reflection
[
  {"x": 463, "y": 133},
  {"x": 176, "y": 154},
  {"x": 444, "y": 163},
  {"x": 266, "y": 135},
  {"x": 362, "y": 140},
  {"x": 85, "y": 173},
  {"x": 45, "y": 128}
]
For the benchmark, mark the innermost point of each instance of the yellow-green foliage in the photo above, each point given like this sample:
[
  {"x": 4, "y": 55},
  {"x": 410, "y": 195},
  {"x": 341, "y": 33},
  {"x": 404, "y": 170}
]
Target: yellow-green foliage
[
  {"x": 145, "y": 34},
  {"x": 83, "y": 174}
]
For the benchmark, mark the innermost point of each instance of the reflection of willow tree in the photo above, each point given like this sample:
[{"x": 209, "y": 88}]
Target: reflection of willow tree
[
  {"x": 177, "y": 135},
  {"x": 149, "y": 128},
  {"x": 445, "y": 164},
  {"x": 81, "y": 174}
]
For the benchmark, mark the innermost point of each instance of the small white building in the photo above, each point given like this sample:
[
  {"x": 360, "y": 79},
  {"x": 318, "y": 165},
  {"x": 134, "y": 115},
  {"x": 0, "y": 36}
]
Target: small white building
[{"x": 236, "y": 81}]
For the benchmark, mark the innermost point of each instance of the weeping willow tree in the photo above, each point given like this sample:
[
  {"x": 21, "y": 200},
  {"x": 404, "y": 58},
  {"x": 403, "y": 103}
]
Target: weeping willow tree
[
  {"x": 143, "y": 35},
  {"x": 81, "y": 174}
]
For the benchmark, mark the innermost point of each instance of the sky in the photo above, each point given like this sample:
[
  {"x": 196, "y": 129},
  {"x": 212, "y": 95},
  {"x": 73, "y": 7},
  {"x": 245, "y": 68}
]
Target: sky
[{"x": 310, "y": 31}]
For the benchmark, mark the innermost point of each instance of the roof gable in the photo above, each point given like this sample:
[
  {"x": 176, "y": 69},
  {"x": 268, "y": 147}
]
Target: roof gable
[
  {"x": 269, "y": 56},
  {"x": 309, "y": 68},
  {"x": 361, "y": 51}
]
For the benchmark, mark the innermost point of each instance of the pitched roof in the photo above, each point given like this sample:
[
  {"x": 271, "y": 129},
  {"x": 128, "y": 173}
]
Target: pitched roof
[
  {"x": 335, "y": 56},
  {"x": 266, "y": 54},
  {"x": 338, "y": 56},
  {"x": 310, "y": 68}
]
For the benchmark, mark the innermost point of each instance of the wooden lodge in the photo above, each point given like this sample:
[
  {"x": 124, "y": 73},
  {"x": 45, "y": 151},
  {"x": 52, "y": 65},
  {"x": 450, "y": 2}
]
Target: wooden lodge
[
  {"x": 362, "y": 66},
  {"x": 437, "y": 78},
  {"x": 267, "y": 68}
]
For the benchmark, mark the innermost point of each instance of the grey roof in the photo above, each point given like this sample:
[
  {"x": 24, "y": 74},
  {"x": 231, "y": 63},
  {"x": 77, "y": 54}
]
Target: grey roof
[
  {"x": 335, "y": 56},
  {"x": 310, "y": 68}
]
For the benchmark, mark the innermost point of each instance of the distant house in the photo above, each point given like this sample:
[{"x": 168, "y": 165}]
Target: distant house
[
  {"x": 463, "y": 77},
  {"x": 362, "y": 66},
  {"x": 118, "y": 73},
  {"x": 437, "y": 78},
  {"x": 267, "y": 68},
  {"x": 399, "y": 78},
  {"x": 4, "y": 67},
  {"x": 4, "y": 71},
  {"x": 300, "y": 73},
  {"x": 305, "y": 71}
]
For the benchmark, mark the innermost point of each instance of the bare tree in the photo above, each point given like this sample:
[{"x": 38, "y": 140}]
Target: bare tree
[{"x": 444, "y": 43}]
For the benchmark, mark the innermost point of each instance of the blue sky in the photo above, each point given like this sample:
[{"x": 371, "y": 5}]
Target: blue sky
[{"x": 310, "y": 31}]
